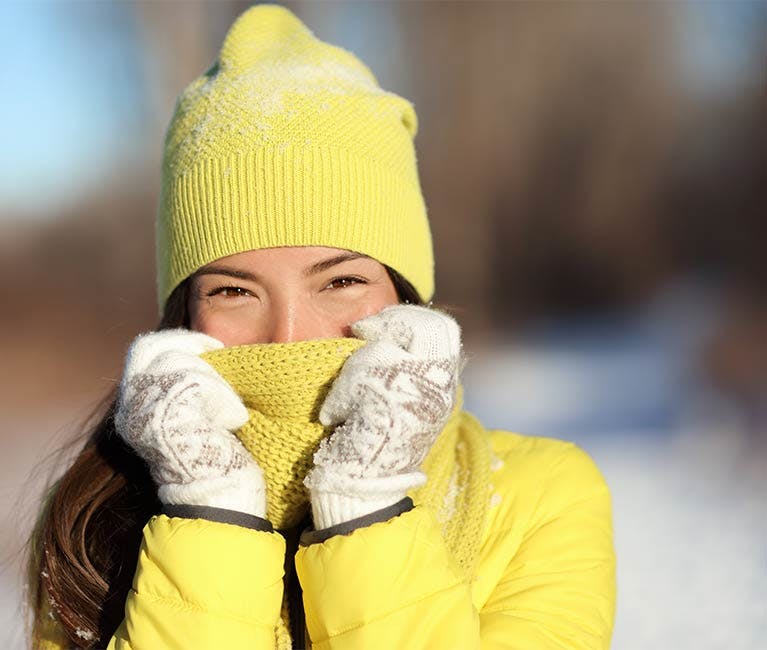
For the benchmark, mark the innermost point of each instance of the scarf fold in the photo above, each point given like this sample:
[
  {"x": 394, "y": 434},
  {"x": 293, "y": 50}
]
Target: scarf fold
[{"x": 283, "y": 386}]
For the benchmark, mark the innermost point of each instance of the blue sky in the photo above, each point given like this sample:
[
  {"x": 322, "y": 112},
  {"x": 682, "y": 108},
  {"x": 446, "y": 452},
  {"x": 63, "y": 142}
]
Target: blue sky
[{"x": 71, "y": 101}]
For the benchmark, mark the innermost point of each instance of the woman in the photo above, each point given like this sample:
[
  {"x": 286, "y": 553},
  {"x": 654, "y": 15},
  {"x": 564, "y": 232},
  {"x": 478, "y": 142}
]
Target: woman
[{"x": 286, "y": 461}]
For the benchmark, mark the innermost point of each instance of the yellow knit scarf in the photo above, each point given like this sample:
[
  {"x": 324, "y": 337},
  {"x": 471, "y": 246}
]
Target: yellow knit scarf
[{"x": 283, "y": 386}]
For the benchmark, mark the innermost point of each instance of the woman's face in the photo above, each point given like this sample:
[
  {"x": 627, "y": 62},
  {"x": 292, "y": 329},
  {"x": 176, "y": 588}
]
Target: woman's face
[{"x": 292, "y": 293}]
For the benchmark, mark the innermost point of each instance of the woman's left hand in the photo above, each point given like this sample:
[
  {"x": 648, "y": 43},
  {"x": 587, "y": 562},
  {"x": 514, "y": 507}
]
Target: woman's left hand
[{"x": 389, "y": 403}]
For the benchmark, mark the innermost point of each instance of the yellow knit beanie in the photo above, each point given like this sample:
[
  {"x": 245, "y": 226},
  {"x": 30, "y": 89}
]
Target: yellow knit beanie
[{"x": 289, "y": 141}]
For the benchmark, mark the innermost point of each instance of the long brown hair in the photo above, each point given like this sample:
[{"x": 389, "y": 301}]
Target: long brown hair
[{"x": 83, "y": 551}]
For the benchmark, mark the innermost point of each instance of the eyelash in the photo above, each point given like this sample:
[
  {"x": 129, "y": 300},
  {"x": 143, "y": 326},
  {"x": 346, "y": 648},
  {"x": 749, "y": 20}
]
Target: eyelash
[
  {"x": 355, "y": 280},
  {"x": 240, "y": 291}
]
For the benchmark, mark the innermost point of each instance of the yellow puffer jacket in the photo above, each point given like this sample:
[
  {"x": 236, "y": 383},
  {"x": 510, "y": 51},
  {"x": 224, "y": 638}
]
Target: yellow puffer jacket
[{"x": 545, "y": 576}]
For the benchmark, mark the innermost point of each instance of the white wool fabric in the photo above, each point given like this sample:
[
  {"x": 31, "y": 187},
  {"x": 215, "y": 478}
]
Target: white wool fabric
[
  {"x": 178, "y": 414},
  {"x": 389, "y": 403}
]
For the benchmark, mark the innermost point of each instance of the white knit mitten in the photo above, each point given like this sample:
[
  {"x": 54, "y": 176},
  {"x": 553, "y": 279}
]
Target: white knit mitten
[
  {"x": 389, "y": 403},
  {"x": 178, "y": 414}
]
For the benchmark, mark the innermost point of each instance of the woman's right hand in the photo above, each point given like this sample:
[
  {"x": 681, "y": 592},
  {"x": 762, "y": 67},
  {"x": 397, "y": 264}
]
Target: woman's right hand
[{"x": 178, "y": 414}]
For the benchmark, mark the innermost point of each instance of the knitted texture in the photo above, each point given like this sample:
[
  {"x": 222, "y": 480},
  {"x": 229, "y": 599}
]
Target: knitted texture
[
  {"x": 458, "y": 485},
  {"x": 284, "y": 385},
  {"x": 289, "y": 141}
]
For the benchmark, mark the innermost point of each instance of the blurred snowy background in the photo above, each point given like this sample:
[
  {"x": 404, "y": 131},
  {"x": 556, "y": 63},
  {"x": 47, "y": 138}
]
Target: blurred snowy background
[{"x": 596, "y": 175}]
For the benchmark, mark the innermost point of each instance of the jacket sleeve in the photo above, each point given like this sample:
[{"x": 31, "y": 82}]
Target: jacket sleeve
[
  {"x": 558, "y": 589},
  {"x": 203, "y": 584},
  {"x": 395, "y": 584}
]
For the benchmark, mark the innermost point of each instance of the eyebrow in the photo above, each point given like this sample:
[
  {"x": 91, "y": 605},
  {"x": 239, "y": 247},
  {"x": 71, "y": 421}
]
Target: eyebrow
[{"x": 315, "y": 268}]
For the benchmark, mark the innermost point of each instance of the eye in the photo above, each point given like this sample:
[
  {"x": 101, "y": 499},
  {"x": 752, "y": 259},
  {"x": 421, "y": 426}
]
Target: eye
[
  {"x": 229, "y": 292},
  {"x": 345, "y": 281}
]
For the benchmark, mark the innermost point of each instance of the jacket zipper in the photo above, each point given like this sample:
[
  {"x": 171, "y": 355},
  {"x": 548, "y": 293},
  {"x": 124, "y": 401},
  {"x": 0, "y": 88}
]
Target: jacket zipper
[
  {"x": 294, "y": 593},
  {"x": 296, "y": 611}
]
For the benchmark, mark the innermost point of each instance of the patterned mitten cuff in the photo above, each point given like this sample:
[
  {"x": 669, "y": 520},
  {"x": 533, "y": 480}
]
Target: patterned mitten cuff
[
  {"x": 330, "y": 509},
  {"x": 336, "y": 498},
  {"x": 242, "y": 490}
]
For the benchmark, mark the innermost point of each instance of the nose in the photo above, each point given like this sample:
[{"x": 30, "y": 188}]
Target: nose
[{"x": 294, "y": 319}]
